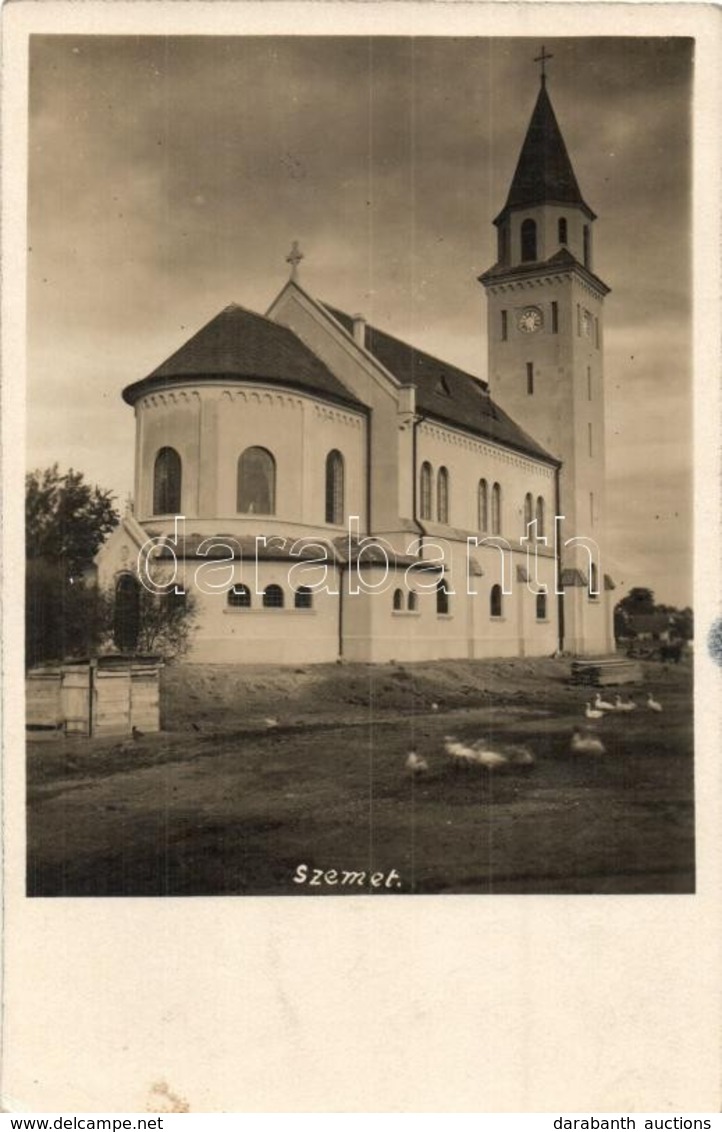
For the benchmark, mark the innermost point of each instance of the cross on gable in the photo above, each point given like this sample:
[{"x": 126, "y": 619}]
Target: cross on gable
[{"x": 294, "y": 257}]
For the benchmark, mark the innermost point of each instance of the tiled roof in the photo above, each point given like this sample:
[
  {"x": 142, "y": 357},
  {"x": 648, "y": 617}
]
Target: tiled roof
[
  {"x": 239, "y": 343},
  {"x": 443, "y": 391}
]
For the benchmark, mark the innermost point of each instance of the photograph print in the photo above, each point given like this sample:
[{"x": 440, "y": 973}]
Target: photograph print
[{"x": 359, "y": 466}]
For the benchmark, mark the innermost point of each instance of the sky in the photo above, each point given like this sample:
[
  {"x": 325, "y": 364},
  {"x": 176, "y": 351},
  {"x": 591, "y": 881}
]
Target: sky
[{"x": 168, "y": 177}]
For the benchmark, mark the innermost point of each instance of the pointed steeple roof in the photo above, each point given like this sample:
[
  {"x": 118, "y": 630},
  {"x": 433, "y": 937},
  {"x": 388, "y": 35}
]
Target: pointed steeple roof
[{"x": 544, "y": 172}]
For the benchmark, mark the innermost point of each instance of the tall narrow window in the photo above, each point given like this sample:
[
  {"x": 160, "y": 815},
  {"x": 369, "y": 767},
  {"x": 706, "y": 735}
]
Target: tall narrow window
[
  {"x": 502, "y": 243},
  {"x": 593, "y": 581},
  {"x": 591, "y": 442},
  {"x": 483, "y": 506},
  {"x": 412, "y": 602},
  {"x": 528, "y": 512},
  {"x": 540, "y": 517},
  {"x": 528, "y": 241},
  {"x": 591, "y": 508},
  {"x": 589, "y": 383},
  {"x": 495, "y": 602},
  {"x": 442, "y": 598},
  {"x": 529, "y": 378},
  {"x": 579, "y": 321},
  {"x": 562, "y": 229},
  {"x": 334, "y": 487},
  {"x": 596, "y": 333},
  {"x": 587, "y": 247},
  {"x": 442, "y": 496},
  {"x": 541, "y": 607},
  {"x": 126, "y": 613},
  {"x": 256, "y": 483},
  {"x": 496, "y": 509},
  {"x": 398, "y": 601},
  {"x": 167, "y": 483},
  {"x": 555, "y": 318},
  {"x": 504, "y": 326},
  {"x": 425, "y": 491}
]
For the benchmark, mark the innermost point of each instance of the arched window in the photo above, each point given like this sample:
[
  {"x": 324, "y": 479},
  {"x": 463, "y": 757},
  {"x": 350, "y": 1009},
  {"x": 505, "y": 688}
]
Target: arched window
[
  {"x": 541, "y": 607},
  {"x": 593, "y": 580},
  {"x": 411, "y": 602},
  {"x": 425, "y": 491},
  {"x": 239, "y": 597},
  {"x": 167, "y": 483},
  {"x": 495, "y": 601},
  {"x": 126, "y": 613},
  {"x": 587, "y": 247},
  {"x": 540, "y": 517},
  {"x": 442, "y": 598},
  {"x": 256, "y": 482},
  {"x": 303, "y": 598},
  {"x": 334, "y": 487},
  {"x": 528, "y": 240},
  {"x": 483, "y": 505},
  {"x": 273, "y": 597},
  {"x": 528, "y": 512},
  {"x": 398, "y": 601},
  {"x": 496, "y": 509},
  {"x": 442, "y": 496},
  {"x": 562, "y": 229}
]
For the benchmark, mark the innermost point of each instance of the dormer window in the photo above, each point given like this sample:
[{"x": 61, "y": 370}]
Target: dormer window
[{"x": 442, "y": 387}]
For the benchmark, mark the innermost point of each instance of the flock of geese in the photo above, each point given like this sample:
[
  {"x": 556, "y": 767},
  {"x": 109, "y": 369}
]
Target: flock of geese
[{"x": 479, "y": 753}]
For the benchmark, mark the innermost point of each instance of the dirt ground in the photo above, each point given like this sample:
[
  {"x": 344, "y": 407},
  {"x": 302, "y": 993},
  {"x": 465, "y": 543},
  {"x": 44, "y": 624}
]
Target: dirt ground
[{"x": 261, "y": 770}]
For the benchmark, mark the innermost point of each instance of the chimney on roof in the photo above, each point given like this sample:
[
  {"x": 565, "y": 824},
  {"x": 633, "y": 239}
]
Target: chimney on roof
[{"x": 359, "y": 329}]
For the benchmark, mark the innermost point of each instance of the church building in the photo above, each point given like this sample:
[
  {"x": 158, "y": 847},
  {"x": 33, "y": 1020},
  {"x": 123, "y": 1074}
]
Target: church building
[{"x": 347, "y": 496}]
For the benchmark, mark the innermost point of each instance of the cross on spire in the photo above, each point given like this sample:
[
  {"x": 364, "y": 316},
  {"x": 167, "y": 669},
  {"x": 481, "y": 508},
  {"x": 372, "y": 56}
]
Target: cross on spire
[
  {"x": 543, "y": 59},
  {"x": 294, "y": 257}
]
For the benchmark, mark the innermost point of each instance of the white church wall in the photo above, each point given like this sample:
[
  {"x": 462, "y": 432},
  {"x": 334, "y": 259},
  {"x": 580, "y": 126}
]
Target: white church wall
[
  {"x": 258, "y": 635},
  {"x": 469, "y": 460},
  {"x": 213, "y": 425},
  {"x": 170, "y": 418}
]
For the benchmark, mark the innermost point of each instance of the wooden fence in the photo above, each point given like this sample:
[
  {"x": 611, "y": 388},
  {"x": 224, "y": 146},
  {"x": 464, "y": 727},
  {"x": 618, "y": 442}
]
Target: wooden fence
[{"x": 103, "y": 696}]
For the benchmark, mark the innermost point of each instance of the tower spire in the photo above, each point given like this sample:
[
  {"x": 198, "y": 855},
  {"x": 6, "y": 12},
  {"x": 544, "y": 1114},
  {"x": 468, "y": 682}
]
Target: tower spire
[{"x": 544, "y": 173}]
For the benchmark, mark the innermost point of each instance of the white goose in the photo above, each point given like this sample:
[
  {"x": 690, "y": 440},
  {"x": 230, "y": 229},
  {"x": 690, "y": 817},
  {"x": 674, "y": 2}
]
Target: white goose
[
  {"x": 602, "y": 705},
  {"x": 474, "y": 754},
  {"x": 592, "y": 713},
  {"x": 652, "y": 704},
  {"x": 620, "y": 705},
  {"x": 586, "y": 744},
  {"x": 416, "y": 764}
]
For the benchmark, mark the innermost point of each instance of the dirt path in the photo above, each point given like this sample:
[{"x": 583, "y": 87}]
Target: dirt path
[{"x": 237, "y": 812}]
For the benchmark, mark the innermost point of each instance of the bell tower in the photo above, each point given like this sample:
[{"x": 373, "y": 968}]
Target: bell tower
[{"x": 545, "y": 326}]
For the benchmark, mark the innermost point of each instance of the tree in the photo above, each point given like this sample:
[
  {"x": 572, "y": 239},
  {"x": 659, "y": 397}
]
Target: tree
[
  {"x": 146, "y": 622},
  {"x": 66, "y": 519}
]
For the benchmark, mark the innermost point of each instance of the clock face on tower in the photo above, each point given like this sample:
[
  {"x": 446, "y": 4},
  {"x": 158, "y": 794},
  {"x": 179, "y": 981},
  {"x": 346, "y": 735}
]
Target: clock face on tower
[{"x": 530, "y": 320}]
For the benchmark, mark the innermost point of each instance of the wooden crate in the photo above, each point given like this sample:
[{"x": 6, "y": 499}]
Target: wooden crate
[{"x": 43, "y": 701}]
